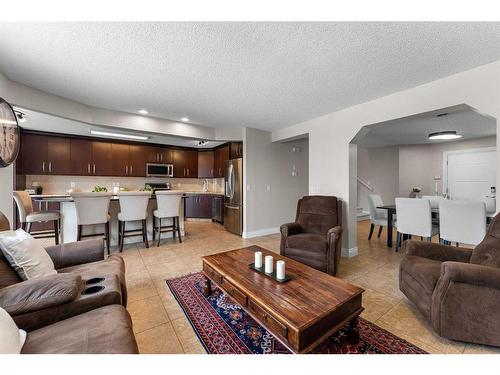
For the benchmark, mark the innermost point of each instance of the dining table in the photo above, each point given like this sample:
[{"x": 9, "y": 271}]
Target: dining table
[{"x": 391, "y": 211}]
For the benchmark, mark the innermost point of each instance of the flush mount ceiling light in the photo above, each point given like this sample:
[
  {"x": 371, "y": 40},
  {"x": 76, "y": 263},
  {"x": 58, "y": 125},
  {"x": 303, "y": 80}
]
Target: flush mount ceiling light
[
  {"x": 119, "y": 135},
  {"x": 143, "y": 111},
  {"x": 184, "y": 119},
  {"x": 445, "y": 135}
]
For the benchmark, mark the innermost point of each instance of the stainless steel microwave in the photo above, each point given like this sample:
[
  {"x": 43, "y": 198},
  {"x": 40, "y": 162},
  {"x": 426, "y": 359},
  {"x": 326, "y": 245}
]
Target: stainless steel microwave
[{"x": 159, "y": 170}]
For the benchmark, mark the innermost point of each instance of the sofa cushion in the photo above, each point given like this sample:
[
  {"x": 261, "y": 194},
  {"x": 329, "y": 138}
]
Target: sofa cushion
[
  {"x": 307, "y": 241},
  {"x": 425, "y": 272},
  {"x": 114, "y": 264},
  {"x": 26, "y": 255},
  {"x": 107, "y": 330},
  {"x": 487, "y": 252},
  {"x": 11, "y": 338},
  {"x": 8, "y": 276},
  {"x": 317, "y": 214}
]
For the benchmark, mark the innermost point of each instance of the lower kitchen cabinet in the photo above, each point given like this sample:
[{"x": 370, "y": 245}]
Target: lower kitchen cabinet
[
  {"x": 218, "y": 208},
  {"x": 201, "y": 206}
]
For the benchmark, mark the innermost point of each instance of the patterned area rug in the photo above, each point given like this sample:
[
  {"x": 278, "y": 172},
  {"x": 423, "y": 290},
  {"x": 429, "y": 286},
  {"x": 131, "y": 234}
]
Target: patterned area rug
[{"x": 225, "y": 328}]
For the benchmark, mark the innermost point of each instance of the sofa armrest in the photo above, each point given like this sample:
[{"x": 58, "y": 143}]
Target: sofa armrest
[
  {"x": 469, "y": 273},
  {"x": 290, "y": 229},
  {"x": 41, "y": 293},
  {"x": 434, "y": 251},
  {"x": 75, "y": 253},
  {"x": 334, "y": 235}
]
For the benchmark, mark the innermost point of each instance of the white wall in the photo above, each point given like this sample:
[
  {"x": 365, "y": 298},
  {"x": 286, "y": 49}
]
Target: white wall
[
  {"x": 6, "y": 185},
  {"x": 270, "y": 164},
  {"x": 418, "y": 164},
  {"x": 329, "y": 135},
  {"x": 379, "y": 166}
]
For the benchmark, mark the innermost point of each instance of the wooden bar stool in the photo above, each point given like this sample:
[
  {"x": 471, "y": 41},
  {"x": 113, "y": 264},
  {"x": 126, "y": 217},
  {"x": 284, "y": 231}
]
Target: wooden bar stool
[
  {"x": 27, "y": 216},
  {"x": 133, "y": 207},
  {"x": 92, "y": 209},
  {"x": 169, "y": 204}
]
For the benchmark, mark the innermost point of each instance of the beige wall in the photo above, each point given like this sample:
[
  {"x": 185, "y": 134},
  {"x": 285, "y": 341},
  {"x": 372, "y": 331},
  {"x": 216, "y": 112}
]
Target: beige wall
[
  {"x": 379, "y": 166},
  {"x": 418, "y": 164},
  {"x": 6, "y": 184},
  {"x": 268, "y": 164}
]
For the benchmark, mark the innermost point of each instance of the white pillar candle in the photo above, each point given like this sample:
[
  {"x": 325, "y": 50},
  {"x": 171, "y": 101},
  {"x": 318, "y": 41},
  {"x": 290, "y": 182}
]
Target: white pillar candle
[
  {"x": 269, "y": 264},
  {"x": 258, "y": 259},
  {"x": 280, "y": 269}
]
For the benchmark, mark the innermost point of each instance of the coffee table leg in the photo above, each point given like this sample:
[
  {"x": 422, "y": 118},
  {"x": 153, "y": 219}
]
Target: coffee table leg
[
  {"x": 353, "y": 332},
  {"x": 207, "y": 287}
]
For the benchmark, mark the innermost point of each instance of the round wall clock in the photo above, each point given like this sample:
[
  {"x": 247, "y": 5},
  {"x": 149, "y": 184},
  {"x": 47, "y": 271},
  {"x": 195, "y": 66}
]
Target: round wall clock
[{"x": 9, "y": 134}]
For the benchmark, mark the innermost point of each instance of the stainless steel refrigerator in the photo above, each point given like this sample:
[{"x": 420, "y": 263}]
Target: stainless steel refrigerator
[{"x": 233, "y": 196}]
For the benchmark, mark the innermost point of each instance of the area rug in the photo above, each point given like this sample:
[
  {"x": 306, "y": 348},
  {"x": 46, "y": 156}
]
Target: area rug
[{"x": 223, "y": 327}]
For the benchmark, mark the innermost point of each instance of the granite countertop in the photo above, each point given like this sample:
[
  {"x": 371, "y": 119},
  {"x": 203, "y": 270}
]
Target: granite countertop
[{"x": 64, "y": 197}]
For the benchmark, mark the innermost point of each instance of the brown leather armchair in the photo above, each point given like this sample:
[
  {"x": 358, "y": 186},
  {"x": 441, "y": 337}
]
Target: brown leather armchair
[
  {"x": 456, "y": 289},
  {"x": 315, "y": 238}
]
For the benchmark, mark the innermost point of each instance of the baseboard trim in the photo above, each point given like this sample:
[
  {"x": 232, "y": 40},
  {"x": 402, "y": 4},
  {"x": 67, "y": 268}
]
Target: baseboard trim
[
  {"x": 349, "y": 253},
  {"x": 261, "y": 232}
]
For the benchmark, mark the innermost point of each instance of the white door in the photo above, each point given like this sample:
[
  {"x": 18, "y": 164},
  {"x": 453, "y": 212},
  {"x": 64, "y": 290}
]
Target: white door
[{"x": 471, "y": 173}]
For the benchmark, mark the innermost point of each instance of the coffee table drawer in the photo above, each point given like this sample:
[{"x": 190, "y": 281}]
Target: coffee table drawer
[
  {"x": 270, "y": 322},
  {"x": 234, "y": 292},
  {"x": 211, "y": 273}
]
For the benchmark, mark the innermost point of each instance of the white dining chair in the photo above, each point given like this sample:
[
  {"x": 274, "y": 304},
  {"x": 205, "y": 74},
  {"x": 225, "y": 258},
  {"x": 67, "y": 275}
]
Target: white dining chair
[
  {"x": 434, "y": 200},
  {"x": 377, "y": 215},
  {"x": 92, "y": 209},
  {"x": 463, "y": 222},
  {"x": 169, "y": 204},
  {"x": 415, "y": 219},
  {"x": 133, "y": 207}
]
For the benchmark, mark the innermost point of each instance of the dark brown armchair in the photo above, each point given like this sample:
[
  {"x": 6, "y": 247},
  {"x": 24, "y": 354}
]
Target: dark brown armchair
[
  {"x": 315, "y": 238},
  {"x": 456, "y": 289}
]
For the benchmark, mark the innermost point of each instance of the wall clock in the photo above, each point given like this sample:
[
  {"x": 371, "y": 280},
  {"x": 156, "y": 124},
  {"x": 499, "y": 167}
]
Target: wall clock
[{"x": 9, "y": 134}]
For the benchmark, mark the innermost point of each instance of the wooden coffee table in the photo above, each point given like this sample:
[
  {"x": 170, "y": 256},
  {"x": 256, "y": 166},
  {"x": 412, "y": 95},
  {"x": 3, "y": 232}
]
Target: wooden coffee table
[{"x": 302, "y": 312}]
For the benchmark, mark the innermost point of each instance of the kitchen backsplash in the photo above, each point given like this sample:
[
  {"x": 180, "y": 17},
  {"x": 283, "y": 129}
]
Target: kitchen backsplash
[{"x": 61, "y": 184}]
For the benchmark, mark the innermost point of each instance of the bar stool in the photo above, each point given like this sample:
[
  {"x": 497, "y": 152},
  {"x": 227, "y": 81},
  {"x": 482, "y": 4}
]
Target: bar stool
[
  {"x": 27, "y": 216},
  {"x": 168, "y": 207},
  {"x": 92, "y": 209},
  {"x": 133, "y": 207}
]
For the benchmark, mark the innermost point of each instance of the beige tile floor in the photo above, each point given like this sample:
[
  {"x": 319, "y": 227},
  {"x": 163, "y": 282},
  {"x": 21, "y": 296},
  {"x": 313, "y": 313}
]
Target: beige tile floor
[{"x": 161, "y": 326}]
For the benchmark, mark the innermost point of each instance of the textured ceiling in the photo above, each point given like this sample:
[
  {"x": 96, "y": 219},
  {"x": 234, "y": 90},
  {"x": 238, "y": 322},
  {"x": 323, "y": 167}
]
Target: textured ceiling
[
  {"x": 263, "y": 75},
  {"x": 416, "y": 129}
]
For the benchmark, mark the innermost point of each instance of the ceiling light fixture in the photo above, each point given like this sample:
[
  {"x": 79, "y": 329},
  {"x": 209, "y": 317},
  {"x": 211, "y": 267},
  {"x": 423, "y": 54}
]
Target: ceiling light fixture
[
  {"x": 21, "y": 117},
  {"x": 202, "y": 143},
  {"x": 445, "y": 135},
  {"x": 184, "y": 119},
  {"x": 119, "y": 135},
  {"x": 143, "y": 111}
]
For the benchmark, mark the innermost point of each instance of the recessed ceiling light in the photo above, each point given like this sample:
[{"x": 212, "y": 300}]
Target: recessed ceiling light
[
  {"x": 119, "y": 135},
  {"x": 446, "y": 135},
  {"x": 184, "y": 119},
  {"x": 143, "y": 111}
]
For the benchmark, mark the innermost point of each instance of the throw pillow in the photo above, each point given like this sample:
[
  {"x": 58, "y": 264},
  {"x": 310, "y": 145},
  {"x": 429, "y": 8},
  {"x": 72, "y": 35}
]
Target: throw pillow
[
  {"x": 26, "y": 255},
  {"x": 11, "y": 338}
]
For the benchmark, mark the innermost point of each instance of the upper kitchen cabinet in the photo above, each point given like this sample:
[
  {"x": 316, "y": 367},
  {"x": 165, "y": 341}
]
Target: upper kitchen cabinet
[
  {"x": 45, "y": 154},
  {"x": 206, "y": 164},
  {"x": 128, "y": 160},
  {"x": 90, "y": 158},
  {"x": 185, "y": 163},
  {"x": 221, "y": 154},
  {"x": 236, "y": 150},
  {"x": 160, "y": 155}
]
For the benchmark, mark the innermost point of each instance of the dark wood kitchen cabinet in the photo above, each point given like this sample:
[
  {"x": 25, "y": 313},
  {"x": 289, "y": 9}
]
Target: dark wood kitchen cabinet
[
  {"x": 160, "y": 155},
  {"x": 128, "y": 160},
  {"x": 185, "y": 163},
  {"x": 45, "y": 154},
  {"x": 235, "y": 150},
  {"x": 198, "y": 206},
  {"x": 221, "y": 154},
  {"x": 205, "y": 164},
  {"x": 90, "y": 158}
]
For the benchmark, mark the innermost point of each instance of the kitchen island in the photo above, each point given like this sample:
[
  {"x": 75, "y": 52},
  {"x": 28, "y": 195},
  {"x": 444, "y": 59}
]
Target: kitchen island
[{"x": 69, "y": 221}]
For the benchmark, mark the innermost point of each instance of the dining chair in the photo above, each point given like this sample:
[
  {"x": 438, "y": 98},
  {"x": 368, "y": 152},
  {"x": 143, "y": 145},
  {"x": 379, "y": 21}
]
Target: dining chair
[
  {"x": 92, "y": 209},
  {"x": 463, "y": 222},
  {"x": 169, "y": 204},
  {"x": 377, "y": 215},
  {"x": 27, "y": 216},
  {"x": 414, "y": 219},
  {"x": 133, "y": 207},
  {"x": 434, "y": 200}
]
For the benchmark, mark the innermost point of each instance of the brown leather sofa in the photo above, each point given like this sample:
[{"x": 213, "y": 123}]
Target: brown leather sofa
[
  {"x": 58, "y": 317},
  {"x": 456, "y": 289},
  {"x": 315, "y": 238}
]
